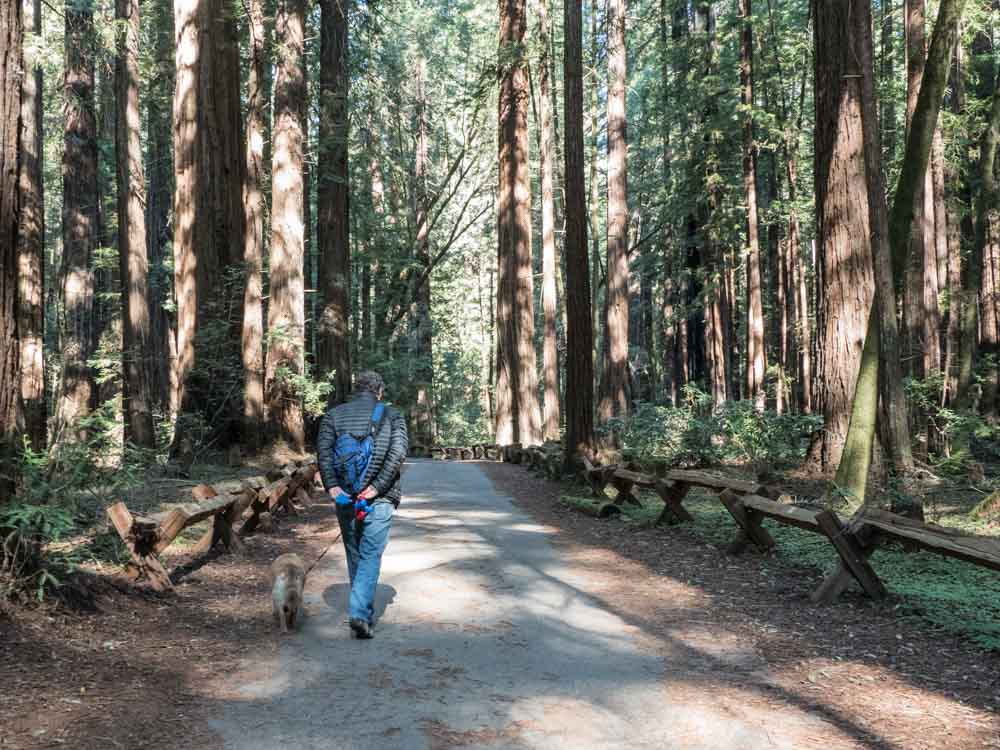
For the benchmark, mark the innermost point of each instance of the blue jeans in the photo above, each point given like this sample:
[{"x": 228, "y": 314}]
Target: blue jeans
[{"x": 364, "y": 543}]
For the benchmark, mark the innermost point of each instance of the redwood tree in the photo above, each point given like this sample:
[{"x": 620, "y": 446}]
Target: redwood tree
[
  {"x": 579, "y": 326},
  {"x": 208, "y": 218},
  {"x": 11, "y": 31},
  {"x": 424, "y": 366},
  {"x": 756, "y": 365},
  {"x": 285, "y": 318},
  {"x": 253, "y": 242},
  {"x": 550, "y": 358},
  {"x": 615, "y": 374},
  {"x": 517, "y": 417},
  {"x": 844, "y": 262},
  {"x": 80, "y": 220},
  {"x": 31, "y": 239},
  {"x": 333, "y": 233},
  {"x": 132, "y": 253}
]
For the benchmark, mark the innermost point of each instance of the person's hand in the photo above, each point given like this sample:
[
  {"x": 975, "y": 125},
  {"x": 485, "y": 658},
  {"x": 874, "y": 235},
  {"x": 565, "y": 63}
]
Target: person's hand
[
  {"x": 335, "y": 492},
  {"x": 368, "y": 493}
]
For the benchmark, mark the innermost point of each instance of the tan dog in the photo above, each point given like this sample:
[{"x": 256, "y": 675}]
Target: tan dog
[{"x": 288, "y": 575}]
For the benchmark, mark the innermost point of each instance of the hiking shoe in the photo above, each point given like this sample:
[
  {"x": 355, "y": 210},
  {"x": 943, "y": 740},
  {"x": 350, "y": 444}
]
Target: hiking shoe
[{"x": 361, "y": 628}]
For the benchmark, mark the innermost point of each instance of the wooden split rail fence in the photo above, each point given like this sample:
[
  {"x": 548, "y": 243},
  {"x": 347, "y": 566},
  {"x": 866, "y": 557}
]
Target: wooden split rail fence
[
  {"x": 147, "y": 536},
  {"x": 751, "y": 503},
  {"x": 546, "y": 457},
  {"x": 478, "y": 452}
]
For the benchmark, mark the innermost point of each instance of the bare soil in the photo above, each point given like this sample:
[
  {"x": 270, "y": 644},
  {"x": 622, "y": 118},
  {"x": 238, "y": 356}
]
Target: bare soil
[
  {"x": 885, "y": 681},
  {"x": 147, "y": 671},
  {"x": 144, "y": 670}
]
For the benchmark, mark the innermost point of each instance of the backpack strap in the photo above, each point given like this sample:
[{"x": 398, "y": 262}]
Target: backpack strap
[{"x": 377, "y": 414}]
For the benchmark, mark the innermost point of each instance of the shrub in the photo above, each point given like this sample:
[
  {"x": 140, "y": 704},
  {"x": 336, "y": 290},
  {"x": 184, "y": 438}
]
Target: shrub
[{"x": 696, "y": 434}]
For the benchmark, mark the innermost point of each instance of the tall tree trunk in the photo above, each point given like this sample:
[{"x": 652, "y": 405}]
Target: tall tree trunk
[
  {"x": 187, "y": 185},
  {"x": 11, "y": 59},
  {"x": 594, "y": 202},
  {"x": 424, "y": 370},
  {"x": 209, "y": 218},
  {"x": 31, "y": 237},
  {"x": 107, "y": 282},
  {"x": 936, "y": 262},
  {"x": 80, "y": 222},
  {"x": 285, "y": 323},
  {"x": 252, "y": 348},
  {"x": 987, "y": 213},
  {"x": 914, "y": 298},
  {"x": 887, "y": 121},
  {"x": 756, "y": 364},
  {"x": 379, "y": 344},
  {"x": 550, "y": 358},
  {"x": 132, "y": 252},
  {"x": 310, "y": 261},
  {"x": 843, "y": 230},
  {"x": 159, "y": 197},
  {"x": 615, "y": 394},
  {"x": 579, "y": 322},
  {"x": 989, "y": 324},
  {"x": 334, "y": 349},
  {"x": 880, "y": 356},
  {"x": 853, "y": 474},
  {"x": 518, "y": 417},
  {"x": 921, "y": 132}
]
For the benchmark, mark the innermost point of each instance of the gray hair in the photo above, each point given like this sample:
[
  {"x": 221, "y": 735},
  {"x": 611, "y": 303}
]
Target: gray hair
[{"x": 369, "y": 381}]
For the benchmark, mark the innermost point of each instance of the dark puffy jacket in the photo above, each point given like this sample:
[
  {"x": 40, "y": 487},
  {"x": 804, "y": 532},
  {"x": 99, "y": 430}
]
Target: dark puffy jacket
[{"x": 388, "y": 453}]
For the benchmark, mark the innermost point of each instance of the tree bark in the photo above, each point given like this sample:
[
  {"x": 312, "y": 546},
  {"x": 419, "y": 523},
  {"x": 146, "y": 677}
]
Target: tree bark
[
  {"x": 159, "y": 197},
  {"x": 11, "y": 61},
  {"x": 518, "y": 417},
  {"x": 209, "y": 217},
  {"x": 594, "y": 202},
  {"x": 615, "y": 396},
  {"x": 424, "y": 365},
  {"x": 579, "y": 321},
  {"x": 918, "y": 146},
  {"x": 880, "y": 356},
  {"x": 936, "y": 261},
  {"x": 334, "y": 346},
  {"x": 756, "y": 361},
  {"x": 285, "y": 318},
  {"x": 550, "y": 357},
  {"x": 252, "y": 339},
  {"x": 80, "y": 223},
  {"x": 844, "y": 270},
  {"x": 987, "y": 213},
  {"x": 922, "y": 232},
  {"x": 187, "y": 185},
  {"x": 132, "y": 252},
  {"x": 921, "y": 132},
  {"x": 31, "y": 237}
]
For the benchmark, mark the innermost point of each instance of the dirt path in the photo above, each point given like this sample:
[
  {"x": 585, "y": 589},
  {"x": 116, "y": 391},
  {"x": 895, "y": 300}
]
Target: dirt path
[
  {"x": 508, "y": 621},
  {"x": 492, "y": 636}
]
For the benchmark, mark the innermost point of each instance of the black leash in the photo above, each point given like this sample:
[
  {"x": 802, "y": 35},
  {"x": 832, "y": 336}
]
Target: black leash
[{"x": 323, "y": 553}]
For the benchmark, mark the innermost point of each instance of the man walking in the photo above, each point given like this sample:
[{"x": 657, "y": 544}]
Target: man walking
[{"x": 361, "y": 448}]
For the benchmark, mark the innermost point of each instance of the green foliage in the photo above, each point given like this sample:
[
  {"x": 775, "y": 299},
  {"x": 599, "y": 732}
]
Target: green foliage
[
  {"x": 24, "y": 531},
  {"x": 952, "y": 427},
  {"x": 695, "y": 434},
  {"x": 43, "y": 513},
  {"x": 312, "y": 391}
]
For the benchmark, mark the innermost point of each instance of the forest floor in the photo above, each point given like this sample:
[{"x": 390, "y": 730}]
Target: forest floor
[{"x": 523, "y": 626}]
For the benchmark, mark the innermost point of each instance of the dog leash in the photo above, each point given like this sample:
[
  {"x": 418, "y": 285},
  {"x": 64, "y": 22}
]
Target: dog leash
[{"x": 336, "y": 539}]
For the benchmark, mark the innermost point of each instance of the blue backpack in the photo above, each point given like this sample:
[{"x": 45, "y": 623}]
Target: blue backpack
[{"x": 353, "y": 455}]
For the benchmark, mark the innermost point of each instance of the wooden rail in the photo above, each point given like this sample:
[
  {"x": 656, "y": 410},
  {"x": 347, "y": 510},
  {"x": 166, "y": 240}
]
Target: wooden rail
[
  {"x": 751, "y": 503},
  {"x": 147, "y": 536}
]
